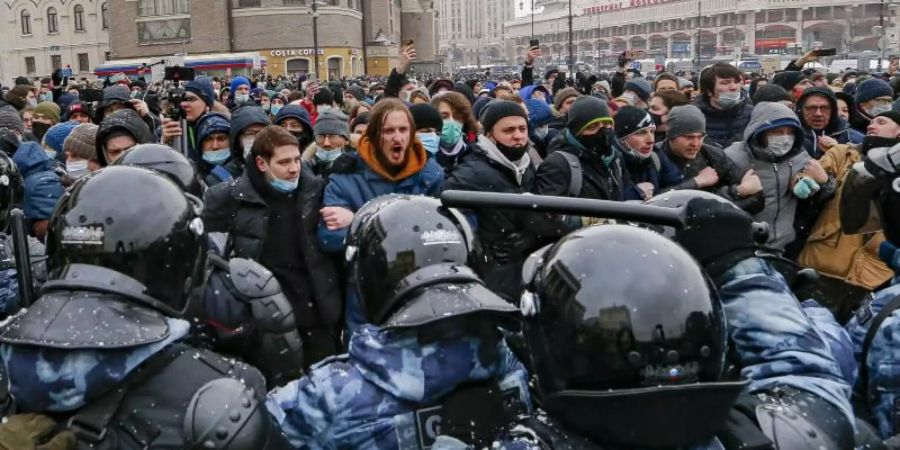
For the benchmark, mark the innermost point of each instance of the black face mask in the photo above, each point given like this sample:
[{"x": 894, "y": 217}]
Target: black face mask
[
  {"x": 657, "y": 119},
  {"x": 512, "y": 153},
  {"x": 39, "y": 130},
  {"x": 303, "y": 138},
  {"x": 870, "y": 142},
  {"x": 598, "y": 143}
]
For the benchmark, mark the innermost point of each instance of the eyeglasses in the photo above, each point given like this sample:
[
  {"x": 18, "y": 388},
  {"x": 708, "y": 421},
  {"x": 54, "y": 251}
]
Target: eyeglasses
[
  {"x": 320, "y": 139},
  {"x": 820, "y": 108},
  {"x": 190, "y": 98}
]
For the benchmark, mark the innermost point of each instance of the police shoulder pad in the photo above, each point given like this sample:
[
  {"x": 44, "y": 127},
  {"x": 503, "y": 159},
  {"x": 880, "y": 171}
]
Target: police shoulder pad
[{"x": 251, "y": 279}]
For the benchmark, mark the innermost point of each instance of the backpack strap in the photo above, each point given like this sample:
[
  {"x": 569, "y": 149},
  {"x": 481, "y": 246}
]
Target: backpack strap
[
  {"x": 575, "y": 169},
  {"x": 221, "y": 173},
  {"x": 91, "y": 422}
]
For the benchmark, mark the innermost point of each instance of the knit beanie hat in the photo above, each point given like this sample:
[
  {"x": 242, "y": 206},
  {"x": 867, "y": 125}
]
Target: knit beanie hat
[
  {"x": 81, "y": 142},
  {"x": 332, "y": 122},
  {"x": 11, "y": 120},
  {"x": 203, "y": 88},
  {"x": 630, "y": 119},
  {"x": 770, "y": 93},
  {"x": 871, "y": 89},
  {"x": 684, "y": 83},
  {"x": 426, "y": 116},
  {"x": 896, "y": 105},
  {"x": 57, "y": 134},
  {"x": 210, "y": 124},
  {"x": 788, "y": 79},
  {"x": 49, "y": 110},
  {"x": 323, "y": 97},
  {"x": 356, "y": 91},
  {"x": 687, "y": 119},
  {"x": 639, "y": 86},
  {"x": 893, "y": 115},
  {"x": 497, "y": 110},
  {"x": 16, "y": 96},
  {"x": 564, "y": 94},
  {"x": 586, "y": 111}
]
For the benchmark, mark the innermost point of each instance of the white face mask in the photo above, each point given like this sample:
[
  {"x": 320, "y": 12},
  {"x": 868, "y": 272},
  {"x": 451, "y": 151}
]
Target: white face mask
[
  {"x": 247, "y": 143},
  {"x": 781, "y": 145},
  {"x": 729, "y": 100},
  {"x": 77, "y": 169}
]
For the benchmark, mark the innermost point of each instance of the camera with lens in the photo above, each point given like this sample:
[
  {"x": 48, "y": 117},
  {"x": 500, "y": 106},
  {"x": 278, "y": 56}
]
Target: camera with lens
[{"x": 175, "y": 97}]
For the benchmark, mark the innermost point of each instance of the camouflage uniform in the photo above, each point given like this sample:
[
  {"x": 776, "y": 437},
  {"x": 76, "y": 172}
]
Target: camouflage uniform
[
  {"x": 372, "y": 398},
  {"x": 774, "y": 340},
  {"x": 883, "y": 361}
]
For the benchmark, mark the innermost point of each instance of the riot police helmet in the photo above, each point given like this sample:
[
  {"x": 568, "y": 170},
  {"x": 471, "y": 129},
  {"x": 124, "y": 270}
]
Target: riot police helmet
[
  {"x": 167, "y": 161},
  {"x": 626, "y": 338},
  {"x": 398, "y": 246},
  {"x": 136, "y": 222}
]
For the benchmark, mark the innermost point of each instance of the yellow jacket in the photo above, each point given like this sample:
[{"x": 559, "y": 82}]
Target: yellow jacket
[{"x": 852, "y": 258}]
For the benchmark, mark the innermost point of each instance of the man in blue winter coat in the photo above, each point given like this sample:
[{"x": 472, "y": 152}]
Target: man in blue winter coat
[
  {"x": 389, "y": 160},
  {"x": 429, "y": 360}
]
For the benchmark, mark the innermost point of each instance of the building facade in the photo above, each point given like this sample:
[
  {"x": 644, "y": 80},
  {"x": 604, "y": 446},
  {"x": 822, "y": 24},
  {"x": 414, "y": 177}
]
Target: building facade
[
  {"x": 354, "y": 36},
  {"x": 41, "y": 36},
  {"x": 472, "y": 32},
  {"x": 672, "y": 29}
]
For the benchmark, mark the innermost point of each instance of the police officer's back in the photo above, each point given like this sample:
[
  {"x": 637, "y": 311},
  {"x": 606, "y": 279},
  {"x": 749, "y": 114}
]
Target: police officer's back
[
  {"x": 431, "y": 357},
  {"x": 102, "y": 349}
]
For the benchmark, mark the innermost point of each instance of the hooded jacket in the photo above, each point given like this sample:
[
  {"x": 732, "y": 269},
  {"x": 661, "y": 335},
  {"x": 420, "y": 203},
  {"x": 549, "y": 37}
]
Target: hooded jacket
[
  {"x": 42, "y": 185},
  {"x": 777, "y": 174},
  {"x": 506, "y": 236},
  {"x": 123, "y": 120},
  {"x": 117, "y": 94},
  {"x": 240, "y": 120},
  {"x": 725, "y": 127},
  {"x": 361, "y": 182},
  {"x": 243, "y": 209},
  {"x": 212, "y": 174},
  {"x": 602, "y": 180},
  {"x": 837, "y": 127},
  {"x": 527, "y": 91},
  {"x": 371, "y": 398}
]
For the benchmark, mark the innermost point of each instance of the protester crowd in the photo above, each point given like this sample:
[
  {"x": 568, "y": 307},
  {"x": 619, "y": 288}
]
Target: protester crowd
[{"x": 327, "y": 192}]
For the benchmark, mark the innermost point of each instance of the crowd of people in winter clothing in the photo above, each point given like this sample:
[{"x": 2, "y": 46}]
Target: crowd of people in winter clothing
[{"x": 291, "y": 173}]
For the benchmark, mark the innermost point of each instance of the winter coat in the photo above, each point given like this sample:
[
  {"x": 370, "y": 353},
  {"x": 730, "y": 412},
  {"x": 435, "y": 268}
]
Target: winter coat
[
  {"x": 122, "y": 120},
  {"x": 353, "y": 188},
  {"x": 725, "y": 127},
  {"x": 852, "y": 258},
  {"x": 450, "y": 159},
  {"x": 43, "y": 186},
  {"x": 376, "y": 396},
  {"x": 837, "y": 127},
  {"x": 601, "y": 181},
  {"x": 506, "y": 236},
  {"x": 239, "y": 209},
  {"x": 710, "y": 156},
  {"x": 882, "y": 361},
  {"x": 657, "y": 169},
  {"x": 777, "y": 175}
]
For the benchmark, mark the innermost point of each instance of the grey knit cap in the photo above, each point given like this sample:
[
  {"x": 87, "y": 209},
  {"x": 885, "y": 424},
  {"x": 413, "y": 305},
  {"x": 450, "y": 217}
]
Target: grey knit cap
[
  {"x": 10, "y": 119},
  {"x": 332, "y": 122},
  {"x": 687, "y": 119},
  {"x": 81, "y": 142}
]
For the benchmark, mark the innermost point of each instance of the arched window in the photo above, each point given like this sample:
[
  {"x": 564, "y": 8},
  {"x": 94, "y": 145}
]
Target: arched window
[
  {"x": 52, "y": 25},
  {"x": 104, "y": 15},
  {"x": 79, "y": 18},
  {"x": 26, "y": 22}
]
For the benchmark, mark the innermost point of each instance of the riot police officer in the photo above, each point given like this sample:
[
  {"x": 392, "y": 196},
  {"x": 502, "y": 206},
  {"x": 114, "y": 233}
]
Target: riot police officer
[
  {"x": 245, "y": 314},
  {"x": 103, "y": 347},
  {"x": 430, "y": 357},
  {"x": 627, "y": 339}
]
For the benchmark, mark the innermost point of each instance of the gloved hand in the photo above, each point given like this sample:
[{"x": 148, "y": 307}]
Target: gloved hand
[
  {"x": 883, "y": 162},
  {"x": 805, "y": 188},
  {"x": 29, "y": 431}
]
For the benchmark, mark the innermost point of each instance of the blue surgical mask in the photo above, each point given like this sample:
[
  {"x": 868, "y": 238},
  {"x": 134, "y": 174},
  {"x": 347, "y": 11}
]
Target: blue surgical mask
[
  {"x": 217, "y": 157},
  {"x": 451, "y": 133},
  {"x": 431, "y": 141},
  {"x": 284, "y": 186},
  {"x": 50, "y": 154},
  {"x": 275, "y": 109},
  {"x": 266, "y": 107},
  {"x": 47, "y": 96},
  {"x": 328, "y": 155},
  {"x": 729, "y": 100}
]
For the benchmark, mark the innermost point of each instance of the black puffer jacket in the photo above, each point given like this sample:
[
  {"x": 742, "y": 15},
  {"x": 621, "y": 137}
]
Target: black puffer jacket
[
  {"x": 599, "y": 181},
  {"x": 238, "y": 208},
  {"x": 505, "y": 236}
]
